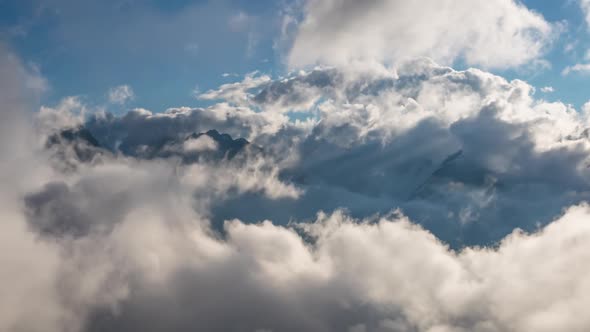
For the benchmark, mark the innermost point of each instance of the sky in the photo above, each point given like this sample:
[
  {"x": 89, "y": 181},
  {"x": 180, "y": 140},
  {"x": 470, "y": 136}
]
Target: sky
[
  {"x": 308, "y": 165},
  {"x": 165, "y": 50}
]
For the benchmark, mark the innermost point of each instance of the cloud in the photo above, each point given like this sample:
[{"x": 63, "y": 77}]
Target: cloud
[
  {"x": 585, "y": 6},
  {"x": 365, "y": 141},
  {"x": 236, "y": 93},
  {"x": 547, "y": 89},
  {"x": 201, "y": 143},
  {"x": 339, "y": 32},
  {"x": 582, "y": 68},
  {"x": 415, "y": 198},
  {"x": 121, "y": 94},
  {"x": 268, "y": 277},
  {"x": 30, "y": 274}
]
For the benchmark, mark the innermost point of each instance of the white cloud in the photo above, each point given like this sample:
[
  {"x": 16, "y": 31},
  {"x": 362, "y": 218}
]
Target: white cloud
[
  {"x": 30, "y": 274},
  {"x": 547, "y": 89},
  {"x": 202, "y": 143},
  {"x": 196, "y": 92},
  {"x": 585, "y": 6},
  {"x": 237, "y": 93},
  {"x": 121, "y": 94},
  {"x": 338, "y": 32},
  {"x": 582, "y": 68},
  {"x": 570, "y": 47}
]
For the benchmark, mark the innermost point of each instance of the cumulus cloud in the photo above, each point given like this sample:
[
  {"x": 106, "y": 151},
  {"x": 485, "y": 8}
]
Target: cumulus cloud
[
  {"x": 547, "y": 89},
  {"x": 121, "y": 94},
  {"x": 338, "y": 32}
]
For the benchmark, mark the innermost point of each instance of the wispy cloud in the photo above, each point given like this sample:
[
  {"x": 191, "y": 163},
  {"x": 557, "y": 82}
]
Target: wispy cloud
[
  {"x": 582, "y": 68},
  {"x": 121, "y": 94}
]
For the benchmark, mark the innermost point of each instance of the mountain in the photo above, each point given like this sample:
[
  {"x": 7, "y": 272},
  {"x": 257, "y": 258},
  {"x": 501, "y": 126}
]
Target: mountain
[
  {"x": 81, "y": 145},
  {"x": 226, "y": 145},
  {"x": 74, "y": 145}
]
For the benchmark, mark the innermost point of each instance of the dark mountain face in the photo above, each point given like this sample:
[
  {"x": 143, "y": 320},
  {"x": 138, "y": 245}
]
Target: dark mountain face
[
  {"x": 72, "y": 135},
  {"x": 226, "y": 145},
  {"x": 82, "y": 146},
  {"x": 208, "y": 146},
  {"x": 72, "y": 146}
]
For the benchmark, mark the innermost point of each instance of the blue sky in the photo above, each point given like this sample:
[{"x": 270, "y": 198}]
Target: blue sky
[
  {"x": 165, "y": 50},
  {"x": 573, "y": 88}
]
